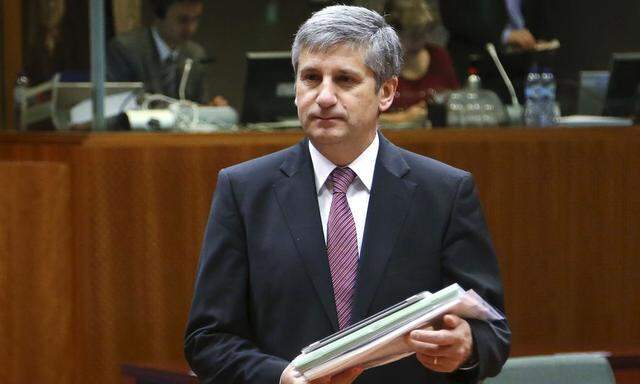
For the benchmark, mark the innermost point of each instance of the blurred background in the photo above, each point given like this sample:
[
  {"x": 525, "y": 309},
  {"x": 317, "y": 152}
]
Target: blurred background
[{"x": 43, "y": 37}]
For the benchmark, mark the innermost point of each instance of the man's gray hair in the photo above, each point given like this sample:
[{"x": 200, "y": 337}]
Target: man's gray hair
[{"x": 357, "y": 27}]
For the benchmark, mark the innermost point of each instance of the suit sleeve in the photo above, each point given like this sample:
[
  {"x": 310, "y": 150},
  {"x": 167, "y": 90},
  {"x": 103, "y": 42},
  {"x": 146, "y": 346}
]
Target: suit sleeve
[
  {"x": 218, "y": 342},
  {"x": 469, "y": 259},
  {"x": 119, "y": 65},
  {"x": 475, "y": 22}
]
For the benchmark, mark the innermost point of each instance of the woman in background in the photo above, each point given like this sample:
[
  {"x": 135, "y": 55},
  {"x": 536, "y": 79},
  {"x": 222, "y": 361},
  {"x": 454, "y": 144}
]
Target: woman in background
[{"x": 427, "y": 68}]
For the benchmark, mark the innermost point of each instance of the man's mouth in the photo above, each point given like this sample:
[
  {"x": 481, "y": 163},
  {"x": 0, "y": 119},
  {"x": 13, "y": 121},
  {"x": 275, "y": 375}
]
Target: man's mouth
[{"x": 327, "y": 118}]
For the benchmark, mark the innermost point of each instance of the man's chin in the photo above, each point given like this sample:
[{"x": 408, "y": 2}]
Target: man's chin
[{"x": 321, "y": 134}]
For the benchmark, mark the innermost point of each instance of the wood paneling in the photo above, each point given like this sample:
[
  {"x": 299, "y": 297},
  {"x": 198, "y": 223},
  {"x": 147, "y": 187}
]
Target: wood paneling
[
  {"x": 36, "y": 273},
  {"x": 11, "y": 55},
  {"x": 562, "y": 206},
  {"x": 565, "y": 223}
]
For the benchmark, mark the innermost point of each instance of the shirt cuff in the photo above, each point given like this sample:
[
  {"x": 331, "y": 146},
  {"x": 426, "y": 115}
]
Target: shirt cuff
[
  {"x": 472, "y": 362},
  {"x": 469, "y": 366},
  {"x": 505, "y": 34}
]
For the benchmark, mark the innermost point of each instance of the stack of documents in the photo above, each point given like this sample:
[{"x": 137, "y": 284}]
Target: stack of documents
[{"x": 379, "y": 339}]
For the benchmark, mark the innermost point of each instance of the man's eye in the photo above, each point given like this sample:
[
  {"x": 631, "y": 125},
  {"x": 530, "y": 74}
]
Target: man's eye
[
  {"x": 310, "y": 77},
  {"x": 346, "y": 80}
]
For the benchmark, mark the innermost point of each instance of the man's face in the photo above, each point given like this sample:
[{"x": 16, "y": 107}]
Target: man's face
[
  {"x": 180, "y": 22},
  {"x": 336, "y": 97}
]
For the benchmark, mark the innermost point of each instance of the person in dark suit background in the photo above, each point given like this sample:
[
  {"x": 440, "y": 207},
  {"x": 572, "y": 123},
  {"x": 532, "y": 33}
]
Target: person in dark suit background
[
  {"x": 305, "y": 241},
  {"x": 511, "y": 25},
  {"x": 157, "y": 55}
]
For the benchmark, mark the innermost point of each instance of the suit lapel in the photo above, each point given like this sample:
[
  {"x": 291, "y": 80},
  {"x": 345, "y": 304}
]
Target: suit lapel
[
  {"x": 298, "y": 200},
  {"x": 389, "y": 203},
  {"x": 152, "y": 64}
]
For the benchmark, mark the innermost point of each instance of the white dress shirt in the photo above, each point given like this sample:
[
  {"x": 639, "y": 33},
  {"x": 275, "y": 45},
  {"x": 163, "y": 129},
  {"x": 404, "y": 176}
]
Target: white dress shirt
[
  {"x": 516, "y": 19},
  {"x": 358, "y": 192},
  {"x": 164, "y": 51}
]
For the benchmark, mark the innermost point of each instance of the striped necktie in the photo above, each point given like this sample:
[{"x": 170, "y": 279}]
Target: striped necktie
[{"x": 342, "y": 245}]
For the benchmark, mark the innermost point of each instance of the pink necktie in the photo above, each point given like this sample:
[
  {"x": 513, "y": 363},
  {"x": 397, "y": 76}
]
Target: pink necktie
[{"x": 342, "y": 245}]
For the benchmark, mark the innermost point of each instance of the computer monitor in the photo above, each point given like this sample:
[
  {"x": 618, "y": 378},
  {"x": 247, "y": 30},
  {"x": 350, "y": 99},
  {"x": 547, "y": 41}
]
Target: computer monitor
[
  {"x": 592, "y": 92},
  {"x": 624, "y": 82},
  {"x": 269, "y": 90}
]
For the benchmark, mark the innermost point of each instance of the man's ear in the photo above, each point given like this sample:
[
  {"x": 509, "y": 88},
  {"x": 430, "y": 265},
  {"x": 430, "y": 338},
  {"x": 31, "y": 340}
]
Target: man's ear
[
  {"x": 386, "y": 93},
  {"x": 295, "y": 101}
]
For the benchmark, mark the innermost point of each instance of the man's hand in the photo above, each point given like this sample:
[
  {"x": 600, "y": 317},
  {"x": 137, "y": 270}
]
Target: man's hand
[
  {"x": 446, "y": 349},
  {"x": 292, "y": 376},
  {"x": 522, "y": 38},
  {"x": 218, "y": 101}
]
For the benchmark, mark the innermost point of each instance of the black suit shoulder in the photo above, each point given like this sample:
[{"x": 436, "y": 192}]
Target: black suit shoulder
[
  {"x": 428, "y": 172},
  {"x": 255, "y": 178},
  {"x": 193, "y": 50},
  {"x": 133, "y": 38},
  {"x": 431, "y": 165},
  {"x": 260, "y": 167},
  {"x": 136, "y": 39}
]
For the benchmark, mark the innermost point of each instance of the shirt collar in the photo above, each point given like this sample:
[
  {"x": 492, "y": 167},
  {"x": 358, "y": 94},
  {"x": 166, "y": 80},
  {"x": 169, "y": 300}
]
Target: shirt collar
[
  {"x": 164, "y": 51},
  {"x": 363, "y": 165}
]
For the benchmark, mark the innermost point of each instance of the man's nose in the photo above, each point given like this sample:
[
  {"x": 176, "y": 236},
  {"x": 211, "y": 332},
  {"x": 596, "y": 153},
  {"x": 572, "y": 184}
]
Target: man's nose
[{"x": 326, "y": 96}]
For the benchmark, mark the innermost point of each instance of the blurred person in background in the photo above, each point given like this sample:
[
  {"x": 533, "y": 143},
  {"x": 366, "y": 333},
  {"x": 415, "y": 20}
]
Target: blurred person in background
[
  {"x": 513, "y": 26},
  {"x": 157, "y": 55},
  {"x": 427, "y": 68}
]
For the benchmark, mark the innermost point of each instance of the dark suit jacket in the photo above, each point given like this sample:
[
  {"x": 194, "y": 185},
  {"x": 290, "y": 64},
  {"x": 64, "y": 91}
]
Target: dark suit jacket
[
  {"x": 474, "y": 23},
  {"x": 263, "y": 289},
  {"x": 133, "y": 56}
]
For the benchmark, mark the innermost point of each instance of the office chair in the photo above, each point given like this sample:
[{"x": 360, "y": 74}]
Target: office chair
[{"x": 569, "y": 368}]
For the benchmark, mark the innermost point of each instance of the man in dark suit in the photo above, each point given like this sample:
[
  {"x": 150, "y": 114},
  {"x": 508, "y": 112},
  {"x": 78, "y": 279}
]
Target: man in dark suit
[
  {"x": 513, "y": 26},
  {"x": 305, "y": 241},
  {"x": 157, "y": 55}
]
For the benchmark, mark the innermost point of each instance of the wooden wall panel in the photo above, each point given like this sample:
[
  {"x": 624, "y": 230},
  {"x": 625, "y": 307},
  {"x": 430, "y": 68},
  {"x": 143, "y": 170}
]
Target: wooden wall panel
[
  {"x": 36, "y": 274},
  {"x": 565, "y": 224},
  {"x": 148, "y": 207},
  {"x": 560, "y": 204},
  {"x": 11, "y": 56}
]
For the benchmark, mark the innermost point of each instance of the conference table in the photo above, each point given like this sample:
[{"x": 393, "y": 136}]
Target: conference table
[{"x": 100, "y": 234}]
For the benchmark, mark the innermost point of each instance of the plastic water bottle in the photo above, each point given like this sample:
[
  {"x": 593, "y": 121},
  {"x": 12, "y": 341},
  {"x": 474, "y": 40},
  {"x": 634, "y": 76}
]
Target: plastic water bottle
[
  {"x": 20, "y": 87},
  {"x": 532, "y": 93},
  {"x": 547, "y": 98}
]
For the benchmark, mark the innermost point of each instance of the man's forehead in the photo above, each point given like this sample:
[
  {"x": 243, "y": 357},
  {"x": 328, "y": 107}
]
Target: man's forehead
[{"x": 315, "y": 56}]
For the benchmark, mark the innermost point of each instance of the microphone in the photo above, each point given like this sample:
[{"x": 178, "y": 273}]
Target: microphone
[
  {"x": 515, "y": 110},
  {"x": 186, "y": 70}
]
